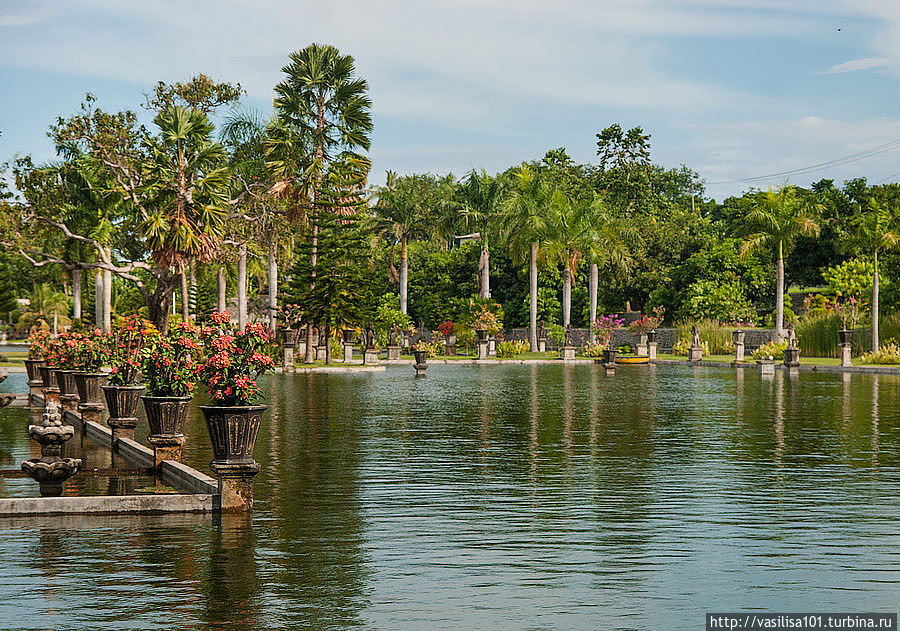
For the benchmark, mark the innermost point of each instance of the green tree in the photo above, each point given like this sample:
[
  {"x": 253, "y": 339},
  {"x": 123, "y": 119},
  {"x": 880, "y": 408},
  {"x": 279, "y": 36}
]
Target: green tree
[{"x": 773, "y": 221}]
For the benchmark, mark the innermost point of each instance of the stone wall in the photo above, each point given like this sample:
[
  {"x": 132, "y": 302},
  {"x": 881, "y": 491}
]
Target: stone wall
[{"x": 665, "y": 337}]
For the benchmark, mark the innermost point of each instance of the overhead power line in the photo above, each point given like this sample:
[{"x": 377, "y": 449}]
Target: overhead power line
[{"x": 853, "y": 157}]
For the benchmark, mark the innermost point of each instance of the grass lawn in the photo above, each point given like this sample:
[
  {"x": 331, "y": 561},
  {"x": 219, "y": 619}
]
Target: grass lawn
[{"x": 13, "y": 358}]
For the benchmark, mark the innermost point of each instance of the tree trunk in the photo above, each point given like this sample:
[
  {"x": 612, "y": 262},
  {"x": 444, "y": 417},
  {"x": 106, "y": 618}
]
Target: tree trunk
[
  {"x": 309, "y": 354},
  {"x": 76, "y": 293},
  {"x": 185, "y": 297},
  {"x": 273, "y": 288},
  {"x": 192, "y": 292},
  {"x": 98, "y": 299},
  {"x": 107, "y": 301},
  {"x": 593, "y": 300},
  {"x": 327, "y": 344},
  {"x": 567, "y": 297},
  {"x": 160, "y": 302},
  {"x": 221, "y": 288},
  {"x": 532, "y": 297},
  {"x": 875, "y": 341},
  {"x": 404, "y": 275},
  {"x": 242, "y": 285},
  {"x": 485, "y": 274},
  {"x": 779, "y": 297}
]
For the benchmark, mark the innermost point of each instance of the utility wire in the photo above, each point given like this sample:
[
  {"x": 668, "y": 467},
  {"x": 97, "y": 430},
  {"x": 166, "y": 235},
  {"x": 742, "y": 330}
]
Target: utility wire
[{"x": 853, "y": 157}]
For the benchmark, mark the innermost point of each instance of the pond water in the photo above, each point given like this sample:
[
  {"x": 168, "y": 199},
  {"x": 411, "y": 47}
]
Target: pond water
[{"x": 514, "y": 497}]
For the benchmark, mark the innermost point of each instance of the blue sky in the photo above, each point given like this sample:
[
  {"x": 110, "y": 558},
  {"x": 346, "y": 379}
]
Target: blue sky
[{"x": 732, "y": 88}]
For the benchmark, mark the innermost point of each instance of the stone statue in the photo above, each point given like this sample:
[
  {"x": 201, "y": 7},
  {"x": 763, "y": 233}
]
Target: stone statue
[
  {"x": 792, "y": 336},
  {"x": 541, "y": 332},
  {"x": 568, "y": 335},
  {"x": 695, "y": 336},
  {"x": 370, "y": 336},
  {"x": 393, "y": 335}
]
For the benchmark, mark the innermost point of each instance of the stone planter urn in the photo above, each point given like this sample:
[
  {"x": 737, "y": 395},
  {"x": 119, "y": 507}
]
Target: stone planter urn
[
  {"x": 845, "y": 336},
  {"x": 642, "y": 345},
  {"x": 609, "y": 355},
  {"x": 739, "y": 336},
  {"x": 792, "y": 357},
  {"x": 88, "y": 386},
  {"x": 652, "y": 344},
  {"x": 48, "y": 384},
  {"x": 288, "y": 337},
  {"x": 482, "y": 343},
  {"x": 68, "y": 392},
  {"x": 846, "y": 347},
  {"x": 421, "y": 364},
  {"x": 232, "y": 432},
  {"x": 166, "y": 417},
  {"x": 31, "y": 367},
  {"x": 451, "y": 344},
  {"x": 348, "y": 336},
  {"x": 122, "y": 404}
]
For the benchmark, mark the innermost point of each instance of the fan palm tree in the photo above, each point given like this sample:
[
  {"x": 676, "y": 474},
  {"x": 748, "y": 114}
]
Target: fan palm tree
[
  {"x": 874, "y": 231},
  {"x": 774, "y": 222},
  {"x": 570, "y": 232},
  {"x": 524, "y": 227},
  {"x": 326, "y": 108},
  {"x": 46, "y": 306}
]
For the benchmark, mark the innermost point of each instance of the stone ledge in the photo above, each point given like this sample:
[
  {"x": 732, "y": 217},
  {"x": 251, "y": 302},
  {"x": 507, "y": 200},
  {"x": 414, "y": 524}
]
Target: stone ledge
[
  {"x": 107, "y": 504},
  {"x": 136, "y": 452},
  {"x": 353, "y": 368},
  {"x": 189, "y": 478}
]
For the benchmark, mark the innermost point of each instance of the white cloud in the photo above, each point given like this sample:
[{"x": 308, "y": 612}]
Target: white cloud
[{"x": 867, "y": 63}]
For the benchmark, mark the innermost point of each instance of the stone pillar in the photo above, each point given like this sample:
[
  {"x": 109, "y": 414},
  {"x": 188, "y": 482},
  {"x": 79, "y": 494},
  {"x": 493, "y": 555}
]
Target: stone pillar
[
  {"x": 766, "y": 366},
  {"x": 739, "y": 337},
  {"x": 393, "y": 353},
  {"x": 483, "y": 346},
  {"x": 166, "y": 447},
  {"x": 69, "y": 403},
  {"x": 792, "y": 357},
  {"x": 845, "y": 355},
  {"x": 695, "y": 354},
  {"x": 122, "y": 427},
  {"x": 35, "y": 389},
  {"x": 493, "y": 346},
  {"x": 288, "y": 358},
  {"x": 348, "y": 352},
  {"x": 370, "y": 358},
  {"x": 642, "y": 350},
  {"x": 651, "y": 349},
  {"x": 609, "y": 368},
  {"x": 320, "y": 352},
  {"x": 90, "y": 412},
  {"x": 542, "y": 345},
  {"x": 235, "y": 485},
  {"x": 568, "y": 353}
]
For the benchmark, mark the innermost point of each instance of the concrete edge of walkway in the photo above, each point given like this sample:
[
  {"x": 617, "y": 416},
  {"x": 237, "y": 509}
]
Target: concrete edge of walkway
[{"x": 108, "y": 504}]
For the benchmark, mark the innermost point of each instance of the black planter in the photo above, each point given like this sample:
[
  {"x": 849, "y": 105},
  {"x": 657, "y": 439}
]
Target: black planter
[
  {"x": 421, "y": 357},
  {"x": 122, "y": 401},
  {"x": 232, "y": 432},
  {"x": 31, "y": 367},
  {"x": 46, "y": 373},
  {"x": 651, "y": 336},
  {"x": 482, "y": 334},
  {"x": 65, "y": 381},
  {"x": 288, "y": 337},
  {"x": 88, "y": 386},
  {"x": 609, "y": 355},
  {"x": 348, "y": 336},
  {"x": 166, "y": 415},
  {"x": 738, "y": 336},
  {"x": 845, "y": 336}
]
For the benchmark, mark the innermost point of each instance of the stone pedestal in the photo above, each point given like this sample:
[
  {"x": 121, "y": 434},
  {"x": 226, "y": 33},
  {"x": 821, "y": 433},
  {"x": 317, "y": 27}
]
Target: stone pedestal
[
  {"x": 289, "y": 357},
  {"x": 792, "y": 357},
  {"x": 482, "y": 349},
  {"x": 738, "y": 351},
  {"x": 301, "y": 348},
  {"x": 568, "y": 353},
  {"x": 695, "y": 354},
  {"x": 122, "y": 428},
  {"x": 542, "y": 346},
  {"x": 845, "y": 355},
  {"x": 69, "y": 402},
  {"x": 393, "y": 352},
  {"x": 166, "y": 447},
  {"x": 235, "y": 485},
  {"x": 50, "y": 395},
  {"x": 609, "y": 368},
  {"x": 348, "y": 352},
  {"x": 451, "y": 349},
  {"x": 35, "y": 388},
  {"x": 371, "y": 357},
  {"x": 91, "y": 412},
  {"x": 320, "y": 353},
  {"x": 642, "y": 350},
  {"x": 766, "y": 366},
  {"x": 493, "y": 346},
  {"x": 651, "y": 350}
]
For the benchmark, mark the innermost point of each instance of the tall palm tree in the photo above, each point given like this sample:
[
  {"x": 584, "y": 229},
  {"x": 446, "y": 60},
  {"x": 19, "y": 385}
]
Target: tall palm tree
[
  {"x": 570, "y": 229},
  {"x": 328, "y": 109},
  {"x": 480, "y": 196},
  {"x": 524, "y": 228},
  {"x": 774, "y": 222},
  {"x": 45, "y": 305},
  {"x": 873, "y": 231},
  {"x": 400, "y": 212}
]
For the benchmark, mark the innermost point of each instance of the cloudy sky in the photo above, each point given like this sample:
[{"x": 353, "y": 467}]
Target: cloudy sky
[{"x": 733, "y": 88}]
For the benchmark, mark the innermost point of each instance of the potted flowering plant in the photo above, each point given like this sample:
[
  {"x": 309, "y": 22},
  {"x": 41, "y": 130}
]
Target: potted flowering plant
[
  {"x": 233, "y": 364},
  {"x": 421, "y": 351},
  {"x": 486, "y": 323},
  {"x": 603, "y": 329},
  {"x": 167, "y": 366},
  {"x": 38, "y": 340},
  {"x": 61, "y": 356},
  {"x": 122, "y": 392},
  {"x": 91, "y": 352},
  {"x": 291, "y": 315}
]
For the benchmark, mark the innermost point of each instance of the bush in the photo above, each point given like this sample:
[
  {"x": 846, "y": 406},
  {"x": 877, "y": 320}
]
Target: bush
[
  {"x": 772, "y": 349},
  {"x": 817, "y": 336},
  {"x": 683, "y": 345},
  {"x": 507, "y": 350},
  {"x": 716, "y": 300},
  {"x": 594, "y": 350},
  {"x": 888, "y": 353}
]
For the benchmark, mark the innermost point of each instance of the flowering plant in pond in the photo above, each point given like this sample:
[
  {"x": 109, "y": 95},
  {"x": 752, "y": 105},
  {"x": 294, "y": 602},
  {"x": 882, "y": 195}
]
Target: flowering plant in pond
[
  {"x": 38, "y": 343},
  {"x": 168, "y": 362},
  {"x": 432, "y": 348},
  {"x": 604, "y": 327},
  {"x": 91, "y": 351},
  {"x": 486, "y": 320},
  {"x": 648, "y": 322},
  {"x": 291, "y": 315},
  {"x": 126, "y": 350},
  {"x": 235, "y": 361}
]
